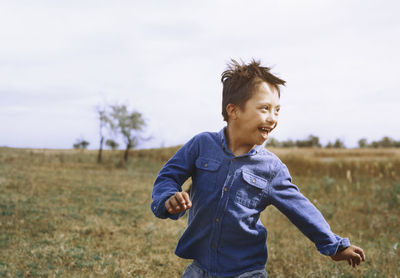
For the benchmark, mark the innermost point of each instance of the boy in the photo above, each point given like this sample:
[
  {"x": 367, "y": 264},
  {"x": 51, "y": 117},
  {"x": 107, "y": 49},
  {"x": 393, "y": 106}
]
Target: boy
[{"x": 234, "y": 178}]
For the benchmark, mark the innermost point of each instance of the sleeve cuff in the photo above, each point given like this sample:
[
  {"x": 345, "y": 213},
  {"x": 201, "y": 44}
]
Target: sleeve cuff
[
  {"x": 344, "y": 243},
  {"x": 159, "y": 209},
  {"x": 333, "y": 248}
]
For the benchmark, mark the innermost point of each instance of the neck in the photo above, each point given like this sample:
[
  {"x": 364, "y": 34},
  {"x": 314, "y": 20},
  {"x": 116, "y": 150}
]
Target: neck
[{"x": 236, "y": 142}]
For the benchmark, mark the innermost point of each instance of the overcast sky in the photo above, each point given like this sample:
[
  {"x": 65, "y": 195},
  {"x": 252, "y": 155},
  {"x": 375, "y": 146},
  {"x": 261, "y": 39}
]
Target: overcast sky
[{"x": 59, "y": 59}]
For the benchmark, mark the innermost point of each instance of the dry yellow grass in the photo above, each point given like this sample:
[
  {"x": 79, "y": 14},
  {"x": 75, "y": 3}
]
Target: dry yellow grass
[{"x": 64, "y": 215}]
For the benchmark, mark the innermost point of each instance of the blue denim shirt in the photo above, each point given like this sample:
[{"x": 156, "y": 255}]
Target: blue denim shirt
[{"x": 224, "y": 233}]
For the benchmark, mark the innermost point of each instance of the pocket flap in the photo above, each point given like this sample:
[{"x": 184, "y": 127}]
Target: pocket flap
[
  {"x": 254, "y": 180},
  {"x": 207, "y": 164}
]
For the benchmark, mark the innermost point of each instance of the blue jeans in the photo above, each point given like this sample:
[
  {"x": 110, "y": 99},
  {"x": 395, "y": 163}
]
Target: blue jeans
[{"x": 195, "y": 271}]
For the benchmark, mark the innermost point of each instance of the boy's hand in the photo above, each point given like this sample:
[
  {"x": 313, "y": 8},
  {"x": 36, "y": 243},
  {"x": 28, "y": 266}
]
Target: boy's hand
[
  {"x": 178, "y": 202},
  {"x": 353, "y": 254}
]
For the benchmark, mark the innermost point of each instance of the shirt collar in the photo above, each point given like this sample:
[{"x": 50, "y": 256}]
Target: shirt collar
[{"x": 223, "y": 141}]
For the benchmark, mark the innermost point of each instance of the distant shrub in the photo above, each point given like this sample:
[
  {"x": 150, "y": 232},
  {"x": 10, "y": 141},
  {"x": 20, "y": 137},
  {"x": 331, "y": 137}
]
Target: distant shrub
[
  {"x": 272, "y": 142},
  {"x": 362, "y": 143},
  {"x": 112, "y": 144},
  {"x": 339, "y": 144},
  {"x": 329, "y": 145},
  {"x": 288, "y": 144},
  {"x": 385, "y": 142},
  {"x": 313, "y": 142},
  {"x": 310, "y": 142},
  {"x": 81, "y": 144}
]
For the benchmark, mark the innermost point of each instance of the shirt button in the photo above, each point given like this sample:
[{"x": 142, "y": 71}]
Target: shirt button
[
  {"x": 206, "y": 165},
  {"x": 225, "y": 188},
  {"x": 212, "y": 246},
  {"x": 254, "y": 180},
  {"x": 217, "y": 219}
]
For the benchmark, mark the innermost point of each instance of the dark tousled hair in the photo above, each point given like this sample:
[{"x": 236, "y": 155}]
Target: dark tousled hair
[{"x": 240, "y": 80}]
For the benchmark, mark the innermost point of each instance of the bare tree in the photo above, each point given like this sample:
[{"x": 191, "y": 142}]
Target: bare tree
[
  {"x": 129, "y": 124},
  {"x": 104, "y": 122}
]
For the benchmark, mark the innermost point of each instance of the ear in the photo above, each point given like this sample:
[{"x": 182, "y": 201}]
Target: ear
[{"x": 232, "y": 111}]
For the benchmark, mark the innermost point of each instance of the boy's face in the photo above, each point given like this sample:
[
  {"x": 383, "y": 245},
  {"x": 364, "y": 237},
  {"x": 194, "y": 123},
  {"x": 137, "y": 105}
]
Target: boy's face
[{"x": 259, "y": 115}]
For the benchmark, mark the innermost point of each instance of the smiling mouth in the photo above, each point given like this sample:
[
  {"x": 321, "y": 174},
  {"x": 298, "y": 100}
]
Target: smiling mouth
[{"x": 265, "y": 129}]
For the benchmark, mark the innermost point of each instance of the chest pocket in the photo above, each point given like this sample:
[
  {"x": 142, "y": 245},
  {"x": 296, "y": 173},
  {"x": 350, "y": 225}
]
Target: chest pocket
[
  {"x": 205, "y": 177},
  {"x": 251, "y": 192}
]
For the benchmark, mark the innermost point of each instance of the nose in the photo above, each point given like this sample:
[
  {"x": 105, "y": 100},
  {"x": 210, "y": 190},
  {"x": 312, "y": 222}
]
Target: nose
[{"x": 272, "y": 118}]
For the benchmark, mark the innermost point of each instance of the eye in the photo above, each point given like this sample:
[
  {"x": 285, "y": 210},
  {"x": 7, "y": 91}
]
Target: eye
[{"x": 266, "y": 108}]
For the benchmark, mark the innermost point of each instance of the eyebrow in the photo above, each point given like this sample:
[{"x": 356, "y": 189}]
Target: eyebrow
[{"x": 268, "y": 103}]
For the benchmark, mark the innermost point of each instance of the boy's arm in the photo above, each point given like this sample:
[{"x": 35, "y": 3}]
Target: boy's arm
[
  {"x": 171, "y": 177},
  {"x": 301, "y": 212}
]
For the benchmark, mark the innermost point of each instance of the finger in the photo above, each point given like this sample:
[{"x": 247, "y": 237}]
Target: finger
[
  {"x": 359, "y": 251},
  {"x": 357, "y": 258},
  {"x": 169, "y": 206},
  {"x": 174, "y": 203},
  {"x": 187, "y": 199},
  {"x": 353, "y": 262},
  {"x": 181, "y": 200},
  {"x": 349, "y": 261}
]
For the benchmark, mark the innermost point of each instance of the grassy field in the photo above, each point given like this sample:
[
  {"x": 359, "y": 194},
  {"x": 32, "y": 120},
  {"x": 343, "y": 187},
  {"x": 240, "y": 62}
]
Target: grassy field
[{"x": 64, "y": 215}]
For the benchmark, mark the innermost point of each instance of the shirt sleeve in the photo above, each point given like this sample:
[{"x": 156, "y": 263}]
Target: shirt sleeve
[
  {"x": 171, "y": 177},
  {"x": 286, "y": 197}
]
